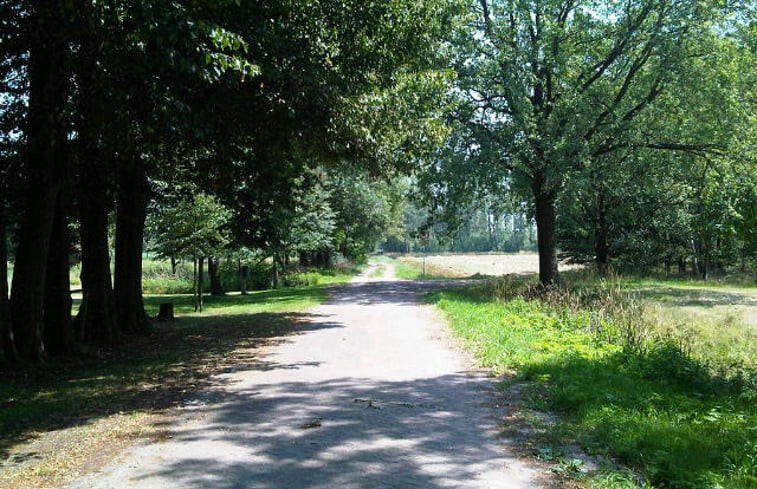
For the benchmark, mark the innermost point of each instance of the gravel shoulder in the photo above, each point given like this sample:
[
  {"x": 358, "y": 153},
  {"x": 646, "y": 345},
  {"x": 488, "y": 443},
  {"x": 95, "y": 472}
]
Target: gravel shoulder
[{"x": 372, "y": 394}]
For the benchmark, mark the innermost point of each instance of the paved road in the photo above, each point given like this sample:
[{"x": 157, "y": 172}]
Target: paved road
[{"x": 373, "y": 395}]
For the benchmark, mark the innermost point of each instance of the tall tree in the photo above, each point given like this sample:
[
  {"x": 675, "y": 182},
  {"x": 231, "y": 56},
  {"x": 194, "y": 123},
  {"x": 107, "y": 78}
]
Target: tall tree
[
  {"x": 48, "y": 74},
  {"x": 550, "y": 84}
]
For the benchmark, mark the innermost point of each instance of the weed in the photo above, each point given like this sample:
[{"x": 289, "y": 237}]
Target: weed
[{"x": 624, "y": 383}]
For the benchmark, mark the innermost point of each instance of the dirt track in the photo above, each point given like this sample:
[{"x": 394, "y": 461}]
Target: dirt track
[{"x": 372, "y": 394}]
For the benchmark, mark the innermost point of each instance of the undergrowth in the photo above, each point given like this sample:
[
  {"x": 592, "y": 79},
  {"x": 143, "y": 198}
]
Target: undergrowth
[{"x": 625, "y": 384}]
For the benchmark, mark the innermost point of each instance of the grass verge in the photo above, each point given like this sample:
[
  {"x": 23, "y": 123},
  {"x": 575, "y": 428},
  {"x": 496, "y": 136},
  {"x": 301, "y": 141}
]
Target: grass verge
[
  {"x": 71, "y": 409},
  {"x": 624, "y": 389}
]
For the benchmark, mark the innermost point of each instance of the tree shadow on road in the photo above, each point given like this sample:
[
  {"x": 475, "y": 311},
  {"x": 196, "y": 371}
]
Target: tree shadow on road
[
  {"x": 345, "y": 433},
  {"x": 148, "y": 374}
]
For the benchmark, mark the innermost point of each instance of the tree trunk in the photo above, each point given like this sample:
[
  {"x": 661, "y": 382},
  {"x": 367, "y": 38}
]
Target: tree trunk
[
  {"x": 546, "y": 219},
  {"x": 133, "y": 197},
  {"x": 48, "y": 84},
  {"x": 6, "y": 332},
  {"x": 601, "y": 246},
  {"x": 276, "y": 279},
  {"x": 214, "y": 272},
  {"x": 200, "y": 273},
  {"x": 96, "y": 320},
  {"x": 194, "y": 283},
  {"x": 682, "y": 265},
  {"x": 59, "y": 333}
]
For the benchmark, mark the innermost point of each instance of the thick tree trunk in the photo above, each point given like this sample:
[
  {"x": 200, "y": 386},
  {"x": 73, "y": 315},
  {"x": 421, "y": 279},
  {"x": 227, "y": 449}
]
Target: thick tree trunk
[
  {"x": 48, "y": 83},
  {"x": 214, "y": 272},
  {"x": 133, "y": 197},
  {"x": 59, "y": 333},
  {"x": 546, "y": 219},
  {"x": 6, "y": 332},
  {"x": 96, "y": 320}
]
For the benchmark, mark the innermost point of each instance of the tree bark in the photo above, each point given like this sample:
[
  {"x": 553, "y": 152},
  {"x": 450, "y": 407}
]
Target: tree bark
[
  {"x": 6, "y": 332},
  {"x": 601, "y": 246},
  {"x": 200, "y": 273},
  {"x": 96, "y": 320},
  {"x": 214, "y": 272},
  {"x": 48, "y": 84},
  {"x": 58, "y": 332},
  {"x": 546, "y": 219},
  {"x": 194, "y": 283},
  {"x": 133, "y": 197}
]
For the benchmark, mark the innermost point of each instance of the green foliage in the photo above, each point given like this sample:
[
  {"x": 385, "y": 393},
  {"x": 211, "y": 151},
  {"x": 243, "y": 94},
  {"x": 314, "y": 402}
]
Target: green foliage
[
  {"x": 584, "y": 98},
  {"x": 622, "y": 386},
  {"x": 188, "y": 227}
]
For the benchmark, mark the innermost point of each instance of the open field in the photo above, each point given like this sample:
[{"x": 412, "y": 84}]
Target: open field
[
  {"x": 691, "y": 299},
  {"x": 481, "y": 264}
]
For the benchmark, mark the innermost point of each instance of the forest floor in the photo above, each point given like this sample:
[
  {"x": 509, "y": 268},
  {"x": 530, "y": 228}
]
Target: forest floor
[{"x": 370, "y": 392}]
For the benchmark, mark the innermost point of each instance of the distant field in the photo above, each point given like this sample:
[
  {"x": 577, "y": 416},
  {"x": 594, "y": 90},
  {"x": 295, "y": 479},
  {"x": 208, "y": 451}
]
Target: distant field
[
  {"x": 698, "y": 301},
  {"x": 482, "y": 264}
]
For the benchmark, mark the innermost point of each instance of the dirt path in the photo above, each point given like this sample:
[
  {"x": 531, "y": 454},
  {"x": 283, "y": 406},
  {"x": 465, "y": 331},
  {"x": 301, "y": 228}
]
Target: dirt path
[{"x": 371, "y": 396}]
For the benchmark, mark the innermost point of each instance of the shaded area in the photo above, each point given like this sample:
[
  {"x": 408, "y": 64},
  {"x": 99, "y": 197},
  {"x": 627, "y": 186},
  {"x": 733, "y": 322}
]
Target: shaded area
[
  {"x": 346, "y": 433},
  {"x": 149, "y": 373}
]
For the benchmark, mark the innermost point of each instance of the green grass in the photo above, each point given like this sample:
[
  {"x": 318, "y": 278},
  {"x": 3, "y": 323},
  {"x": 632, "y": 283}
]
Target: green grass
[
  {"x": 153, "y": 371},
  {"x": 259, "y": 301},
  {"x": 623, "y": 388}
]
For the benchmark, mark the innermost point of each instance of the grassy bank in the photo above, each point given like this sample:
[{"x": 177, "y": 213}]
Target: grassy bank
[
  {"x": 626, "y": 384},
  {"x": 70, "y": 409}
]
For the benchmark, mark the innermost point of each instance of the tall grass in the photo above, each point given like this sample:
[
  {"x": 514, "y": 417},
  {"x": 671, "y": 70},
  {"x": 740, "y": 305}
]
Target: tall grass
[{"x": 626, "y": 384}]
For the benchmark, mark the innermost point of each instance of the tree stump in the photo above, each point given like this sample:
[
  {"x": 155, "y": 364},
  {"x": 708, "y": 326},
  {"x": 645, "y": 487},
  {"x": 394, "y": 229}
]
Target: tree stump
[{"x": 166, "y": 312}]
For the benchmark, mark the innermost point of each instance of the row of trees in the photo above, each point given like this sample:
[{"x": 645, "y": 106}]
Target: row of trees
[
  {"x": 328, "y": 212},
  {"x": 107, "y": 104},
  {"x": 628, "y": 126},
  {"x": 488, "y": 226}
]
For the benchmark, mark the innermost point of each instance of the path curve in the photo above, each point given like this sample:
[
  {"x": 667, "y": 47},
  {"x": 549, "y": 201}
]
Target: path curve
[{"x": 372, "y": 395}]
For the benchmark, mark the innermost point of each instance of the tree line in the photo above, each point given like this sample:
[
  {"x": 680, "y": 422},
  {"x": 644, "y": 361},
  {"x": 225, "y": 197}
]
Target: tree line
[
  {"x": 624, "y": 130},
  {"x": 113, "y": 109}
]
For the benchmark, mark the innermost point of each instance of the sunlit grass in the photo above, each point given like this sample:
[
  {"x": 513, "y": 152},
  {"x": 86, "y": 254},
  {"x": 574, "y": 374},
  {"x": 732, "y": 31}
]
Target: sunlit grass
[
  {"x": 678, "y": 410},
  {"x": 258, "y": 301}
]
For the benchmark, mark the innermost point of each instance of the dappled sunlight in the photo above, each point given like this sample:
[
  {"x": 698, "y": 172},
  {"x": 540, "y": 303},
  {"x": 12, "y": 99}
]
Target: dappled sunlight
[{"x": 368, "y": 433}]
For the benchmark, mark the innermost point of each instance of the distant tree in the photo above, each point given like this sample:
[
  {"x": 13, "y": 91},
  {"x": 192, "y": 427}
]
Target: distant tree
[{"x": 194, "y": 227}]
